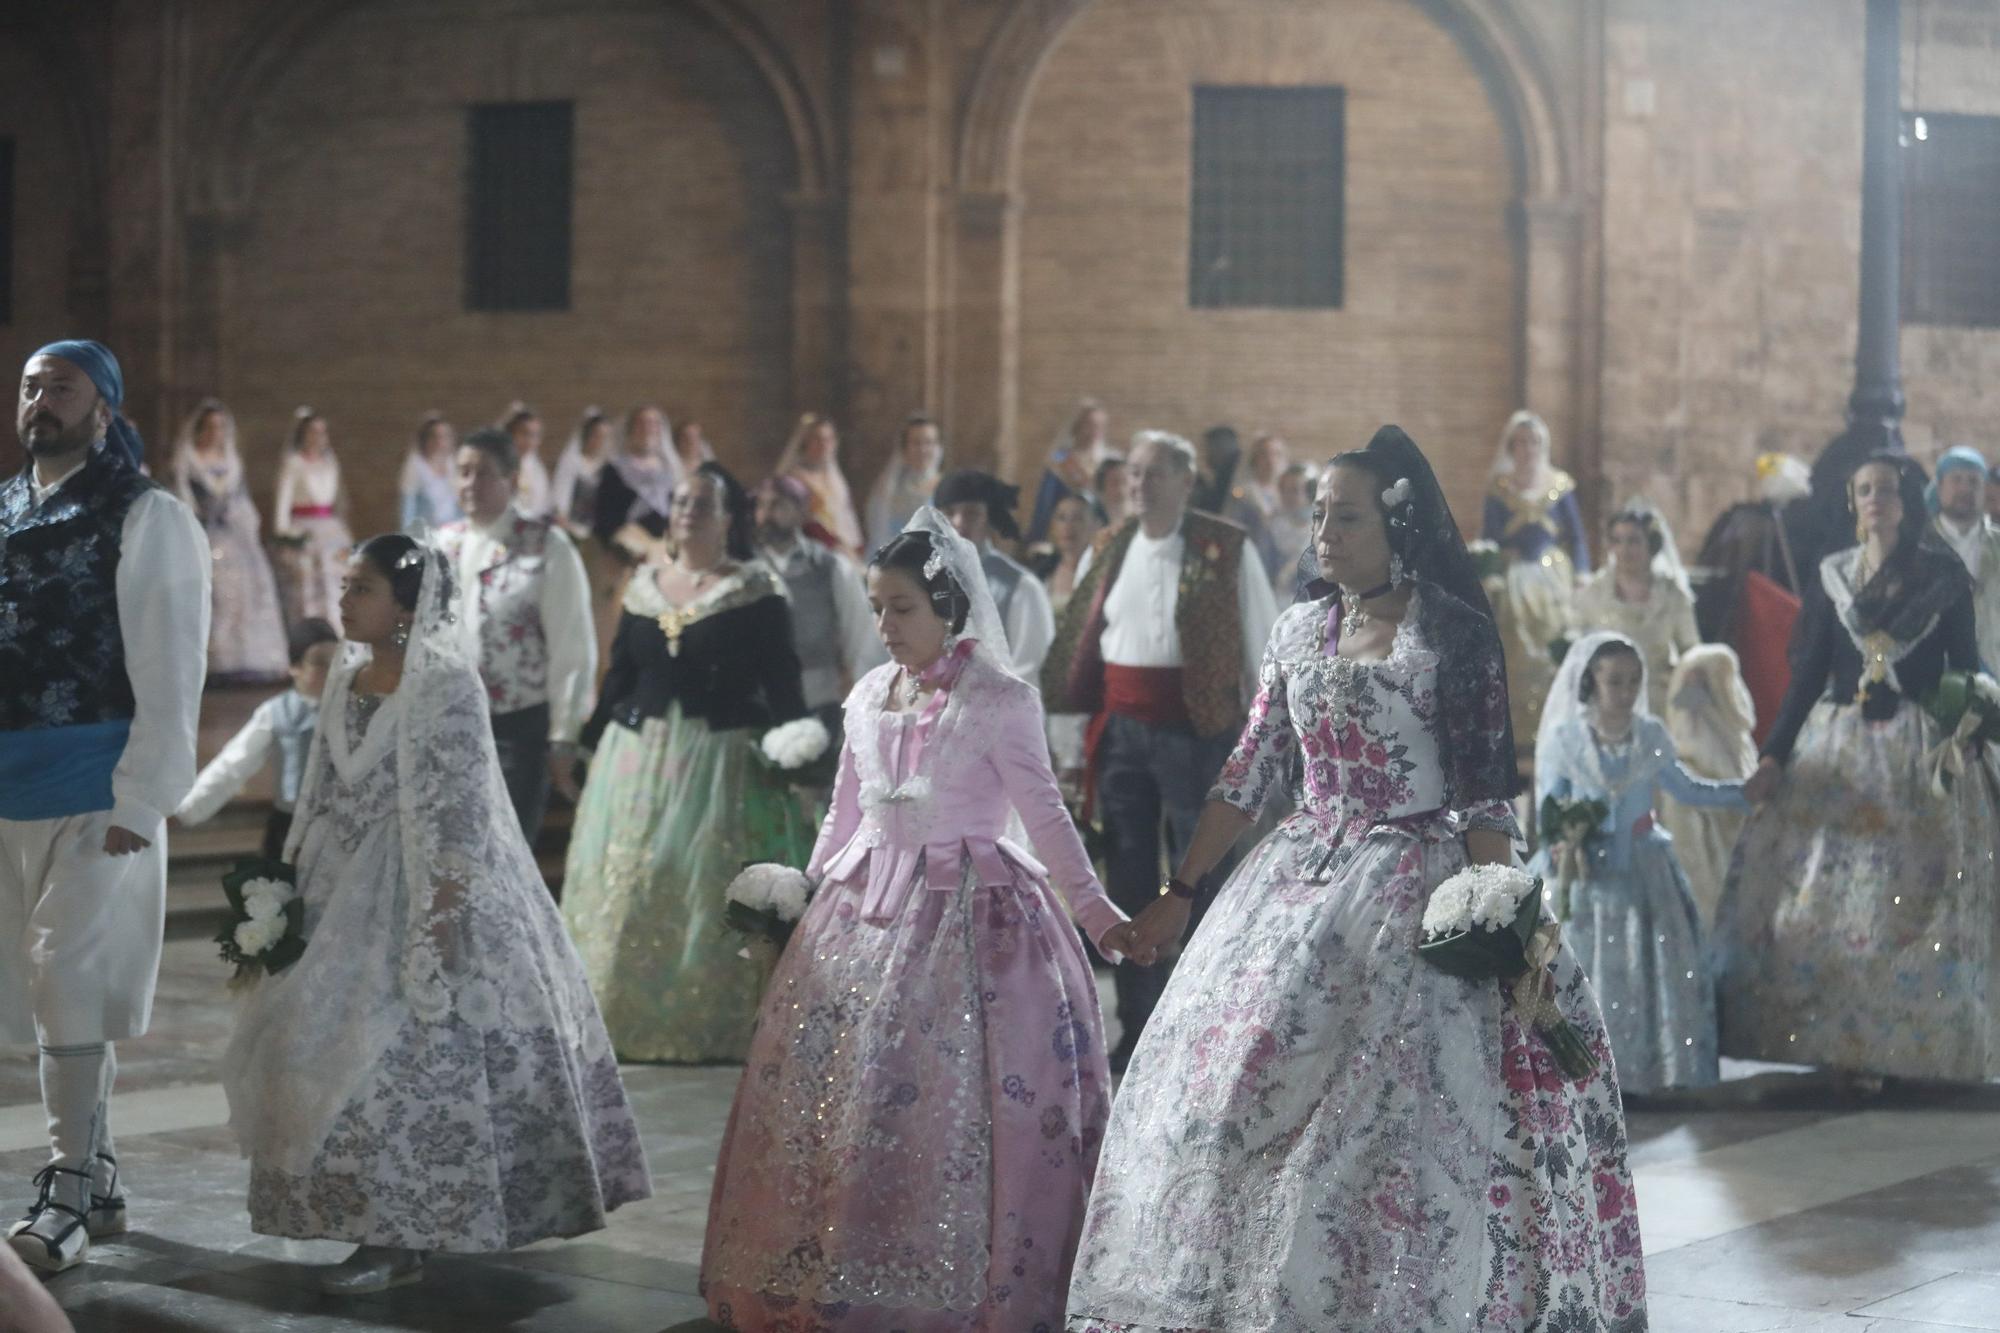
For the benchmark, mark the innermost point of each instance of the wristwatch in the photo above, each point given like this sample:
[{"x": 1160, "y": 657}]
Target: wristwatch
[{"x": 1178, "y": 888}]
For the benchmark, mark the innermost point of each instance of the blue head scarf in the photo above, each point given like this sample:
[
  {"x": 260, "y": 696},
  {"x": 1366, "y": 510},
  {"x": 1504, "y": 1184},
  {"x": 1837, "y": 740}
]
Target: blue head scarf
[
  {"x": 95, "y": 360},
  {"x": 1959, "y": 456}
]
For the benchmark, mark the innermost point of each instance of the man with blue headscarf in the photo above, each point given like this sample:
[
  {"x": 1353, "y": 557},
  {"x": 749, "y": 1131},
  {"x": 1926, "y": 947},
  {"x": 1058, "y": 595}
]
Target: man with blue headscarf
[
  {"x": 103, "y": 642},
  {"x": 1958, "y": 502}
]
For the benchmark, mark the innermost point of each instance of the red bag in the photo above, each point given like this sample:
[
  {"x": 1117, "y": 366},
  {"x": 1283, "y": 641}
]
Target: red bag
[{"x": 1762, "y": 636}]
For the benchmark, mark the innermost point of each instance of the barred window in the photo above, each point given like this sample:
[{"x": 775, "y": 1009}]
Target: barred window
[
  {"x": 6, "y": 231},
  {"x": 1951, "y": 220},
  {"x": 518, "y": 205},
  {"x": 1269, "y": 197}
]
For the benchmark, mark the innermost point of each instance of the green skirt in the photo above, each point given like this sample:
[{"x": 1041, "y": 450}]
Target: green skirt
[{"x": 669, "y": 815}]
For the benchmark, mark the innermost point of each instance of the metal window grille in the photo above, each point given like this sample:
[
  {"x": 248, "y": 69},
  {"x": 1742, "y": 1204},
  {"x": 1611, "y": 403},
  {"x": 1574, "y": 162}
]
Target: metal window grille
[
  {"x": 1951, "y": 220},
  {"x": 1269, "y": 197},
  {"x": 6, "y": 231},
  {"x": 518, "y": 206}
]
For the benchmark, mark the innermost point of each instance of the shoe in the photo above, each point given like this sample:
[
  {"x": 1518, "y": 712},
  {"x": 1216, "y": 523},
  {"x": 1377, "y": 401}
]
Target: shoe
[
  {"x": 54, "y": 1237},
  {"x": 373, "y": 1268},
  {"x": 107, "y": 1201}
]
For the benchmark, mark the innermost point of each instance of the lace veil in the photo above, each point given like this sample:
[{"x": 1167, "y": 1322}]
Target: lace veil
[
  {"x": 465, "y": 933},
  {"x": 958, "y": 557},
  {"x": 1564, "y": 706}
]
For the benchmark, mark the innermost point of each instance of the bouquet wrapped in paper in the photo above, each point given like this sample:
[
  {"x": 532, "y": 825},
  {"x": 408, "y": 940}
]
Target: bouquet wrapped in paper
[
  {"x": 801, "y": 752},
  {"x": 1572, "y": 825},
  {"x": 265, "y": 933},
  {"x": 1485, "y": 921},
  {"x": 766, "y": 900},
  {"x": 1966, "y": 705}
]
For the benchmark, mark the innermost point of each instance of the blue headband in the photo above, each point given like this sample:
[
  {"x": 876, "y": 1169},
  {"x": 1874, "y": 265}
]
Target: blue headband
[
  {"x": 95, "y": 360},
  {"x": 1958, "y": 458}
]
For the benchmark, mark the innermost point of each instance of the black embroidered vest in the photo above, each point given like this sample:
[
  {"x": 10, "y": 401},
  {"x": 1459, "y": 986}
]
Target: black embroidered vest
[{"x": 61, "y": 657}]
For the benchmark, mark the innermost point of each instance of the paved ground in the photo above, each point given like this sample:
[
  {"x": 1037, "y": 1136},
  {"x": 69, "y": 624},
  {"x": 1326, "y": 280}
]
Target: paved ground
[
  {"x": 1782, "y": 1203},
  {"x": 1784, "y": 1206}
]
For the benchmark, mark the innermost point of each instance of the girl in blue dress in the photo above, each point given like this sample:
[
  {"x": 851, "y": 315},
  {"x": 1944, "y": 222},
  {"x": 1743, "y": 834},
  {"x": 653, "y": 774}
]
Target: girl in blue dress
[{"x": 1632, "y": 918}]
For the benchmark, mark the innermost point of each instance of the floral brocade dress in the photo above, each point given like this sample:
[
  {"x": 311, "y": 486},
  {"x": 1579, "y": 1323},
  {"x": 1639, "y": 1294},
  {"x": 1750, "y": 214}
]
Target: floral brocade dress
[
  {"x": 912, "y": 1144},
  {"x": 1319, "y": 1132}
]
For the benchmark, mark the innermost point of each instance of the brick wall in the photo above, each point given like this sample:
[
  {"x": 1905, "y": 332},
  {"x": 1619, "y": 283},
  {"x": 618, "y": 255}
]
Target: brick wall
[
  {"x": 1427, "y": 336},
  {"x": 1732, "y": 238},
  {"x": 344, "y": 290}
]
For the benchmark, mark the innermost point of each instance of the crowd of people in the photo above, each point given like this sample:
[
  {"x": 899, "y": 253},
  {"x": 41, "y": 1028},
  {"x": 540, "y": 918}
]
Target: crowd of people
[{"x": 1046, "y": 731}]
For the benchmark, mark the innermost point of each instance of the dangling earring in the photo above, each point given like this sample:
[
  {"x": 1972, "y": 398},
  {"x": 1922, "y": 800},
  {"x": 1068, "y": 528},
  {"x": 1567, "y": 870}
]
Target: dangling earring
[
  {"x": 1860, "y": 531},
  {"x": 950, "y": 643},
  {"x": 400, "y": 636},
  {"x": 1395, "y": 570}
]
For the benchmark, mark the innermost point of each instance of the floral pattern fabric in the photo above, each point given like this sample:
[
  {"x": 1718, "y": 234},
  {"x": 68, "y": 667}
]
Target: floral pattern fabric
[
  {"x": 1320, "y": 1132},
  {"x": 912, "y": 1143},
  {"x": 1860, "y": 925},
  {"x": 432, "y": 1073}
]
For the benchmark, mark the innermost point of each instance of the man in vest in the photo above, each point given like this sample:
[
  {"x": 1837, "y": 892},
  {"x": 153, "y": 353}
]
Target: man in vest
[
  {"x": 1161, "y": 642},
  {"x": 1958, "y": 501},
  {"x": 104, "y": 608},
  {"x": 979, "y": 504},
  {"x": 832, "y": 628},
  {"x": 523, "y": 600}
]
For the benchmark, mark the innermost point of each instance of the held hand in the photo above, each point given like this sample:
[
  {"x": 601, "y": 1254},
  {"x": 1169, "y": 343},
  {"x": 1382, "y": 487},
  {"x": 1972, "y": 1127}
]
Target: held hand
[
  {"x": 1123, "y": 938},
  {"x": 1761, "y": 784},
  {"x": 123, "y": 842},
  {"x": 1160, "y": 927},
  {"x": 564, "y": 764}
]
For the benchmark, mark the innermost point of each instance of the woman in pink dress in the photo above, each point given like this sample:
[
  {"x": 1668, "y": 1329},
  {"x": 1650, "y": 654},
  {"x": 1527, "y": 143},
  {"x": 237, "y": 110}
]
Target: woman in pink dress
[{"x": 913, "y": 1140}]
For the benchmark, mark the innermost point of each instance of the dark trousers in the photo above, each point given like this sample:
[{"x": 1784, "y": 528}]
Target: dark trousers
[
  {"x": 277, "y": 827},
  {"x": 1147, "y": 775},
  {"x": 522, "y": 740}
]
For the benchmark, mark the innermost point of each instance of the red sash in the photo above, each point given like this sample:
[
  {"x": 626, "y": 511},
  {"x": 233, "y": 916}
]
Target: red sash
[{"x": 1153, "y": 695}]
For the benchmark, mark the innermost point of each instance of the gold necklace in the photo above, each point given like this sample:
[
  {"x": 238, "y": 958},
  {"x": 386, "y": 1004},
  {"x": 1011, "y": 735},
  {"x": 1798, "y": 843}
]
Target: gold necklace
[{"x": 674, "y": 620}]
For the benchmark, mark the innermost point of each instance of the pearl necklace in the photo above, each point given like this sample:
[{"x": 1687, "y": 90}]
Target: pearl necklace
[{"x": 1356, "y": 615}]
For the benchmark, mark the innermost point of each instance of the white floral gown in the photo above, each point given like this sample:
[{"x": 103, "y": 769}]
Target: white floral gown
[
  {"x": 1318, "y": 1131},
  {"x": 430, "y": 1077}
]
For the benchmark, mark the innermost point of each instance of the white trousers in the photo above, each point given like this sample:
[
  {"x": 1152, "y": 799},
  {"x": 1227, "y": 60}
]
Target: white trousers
[{"x": 80, "y": 932}]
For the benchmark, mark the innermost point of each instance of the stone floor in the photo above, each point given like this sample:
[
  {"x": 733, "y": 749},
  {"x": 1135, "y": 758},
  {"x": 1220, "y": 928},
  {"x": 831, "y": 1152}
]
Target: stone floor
[{"x": 1782, "y": 1204}]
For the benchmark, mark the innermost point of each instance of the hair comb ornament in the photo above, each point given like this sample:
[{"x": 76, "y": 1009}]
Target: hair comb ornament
[{"x": 934, "y": 562}]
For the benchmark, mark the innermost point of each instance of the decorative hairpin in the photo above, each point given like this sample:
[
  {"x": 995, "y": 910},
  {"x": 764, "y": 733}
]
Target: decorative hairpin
[
  {"x": 1397, "y": 494},
  {"x": 411, "y": 558},
  {"x": 934, "y": 563}
]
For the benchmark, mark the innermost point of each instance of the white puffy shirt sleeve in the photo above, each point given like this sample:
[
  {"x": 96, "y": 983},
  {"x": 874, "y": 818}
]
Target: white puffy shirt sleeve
[
  {"x": 572, "y": 637},
  {"x": 163, "y": 612},
  {"x": 227, "y": 774},
  {"x": 1031, "y": 628}
]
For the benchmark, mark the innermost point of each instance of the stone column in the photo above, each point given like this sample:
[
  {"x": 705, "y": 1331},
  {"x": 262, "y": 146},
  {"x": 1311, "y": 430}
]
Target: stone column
[
  {"x": 1878, "y": 376},
  {"x": 985, "y": 311}
]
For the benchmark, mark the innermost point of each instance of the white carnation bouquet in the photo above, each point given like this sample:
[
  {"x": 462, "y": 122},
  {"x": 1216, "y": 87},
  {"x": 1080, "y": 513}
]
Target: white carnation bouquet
[
  {"x": 800, "y": 751},
  {"x": 265, "y": 933},
  {"x": 1485, "y": 923},
  {"x": 767, "y": 899}
]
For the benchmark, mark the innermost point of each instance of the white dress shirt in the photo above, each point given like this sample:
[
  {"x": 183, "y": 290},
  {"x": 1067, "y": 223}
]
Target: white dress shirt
[
  {"x": 563, "y": 600},
  {"x": 1030, "y": 624},
  {"x": 1139, "y": 626},
  {"x": 163, "y": 610}
]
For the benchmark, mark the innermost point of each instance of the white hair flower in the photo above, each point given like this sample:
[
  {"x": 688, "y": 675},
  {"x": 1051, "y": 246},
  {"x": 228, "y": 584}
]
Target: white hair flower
[{"x": 1397, "y": 494}]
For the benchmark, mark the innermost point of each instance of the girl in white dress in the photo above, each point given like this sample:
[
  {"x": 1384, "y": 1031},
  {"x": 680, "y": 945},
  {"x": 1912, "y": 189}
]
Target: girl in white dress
[
  {"x": 309, "y": 523},
  {"x": 432, "y": 1074}
]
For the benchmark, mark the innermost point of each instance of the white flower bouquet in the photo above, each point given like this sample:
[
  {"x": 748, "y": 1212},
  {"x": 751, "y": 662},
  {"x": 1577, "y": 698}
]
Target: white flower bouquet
[
  {"x": 800, "y": 751},
  {"x": 1485, "y": 922},
  {"x": 265, "y": 933},
  {"x": 767, "y": 899}
]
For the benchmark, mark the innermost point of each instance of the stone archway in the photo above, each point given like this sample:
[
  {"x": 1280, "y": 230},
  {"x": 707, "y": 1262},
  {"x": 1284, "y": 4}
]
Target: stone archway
[
  {"x": 1555, "y": 336},
  {"x": 217, "y": 184}
]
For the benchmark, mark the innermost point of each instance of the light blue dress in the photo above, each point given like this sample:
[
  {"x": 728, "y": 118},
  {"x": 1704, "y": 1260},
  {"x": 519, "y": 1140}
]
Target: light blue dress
[{"x": 1634, "y": 924}]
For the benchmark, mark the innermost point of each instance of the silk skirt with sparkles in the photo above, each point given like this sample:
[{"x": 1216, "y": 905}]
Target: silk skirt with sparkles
[
  {"x": 670, "y": 813},
  {"x": 912, "y": 1144},
  {"x": 1860, "y": 925}
]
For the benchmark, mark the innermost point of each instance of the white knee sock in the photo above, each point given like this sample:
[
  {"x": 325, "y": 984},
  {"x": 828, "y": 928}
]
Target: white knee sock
[{"x": 76, "y": 1086}]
